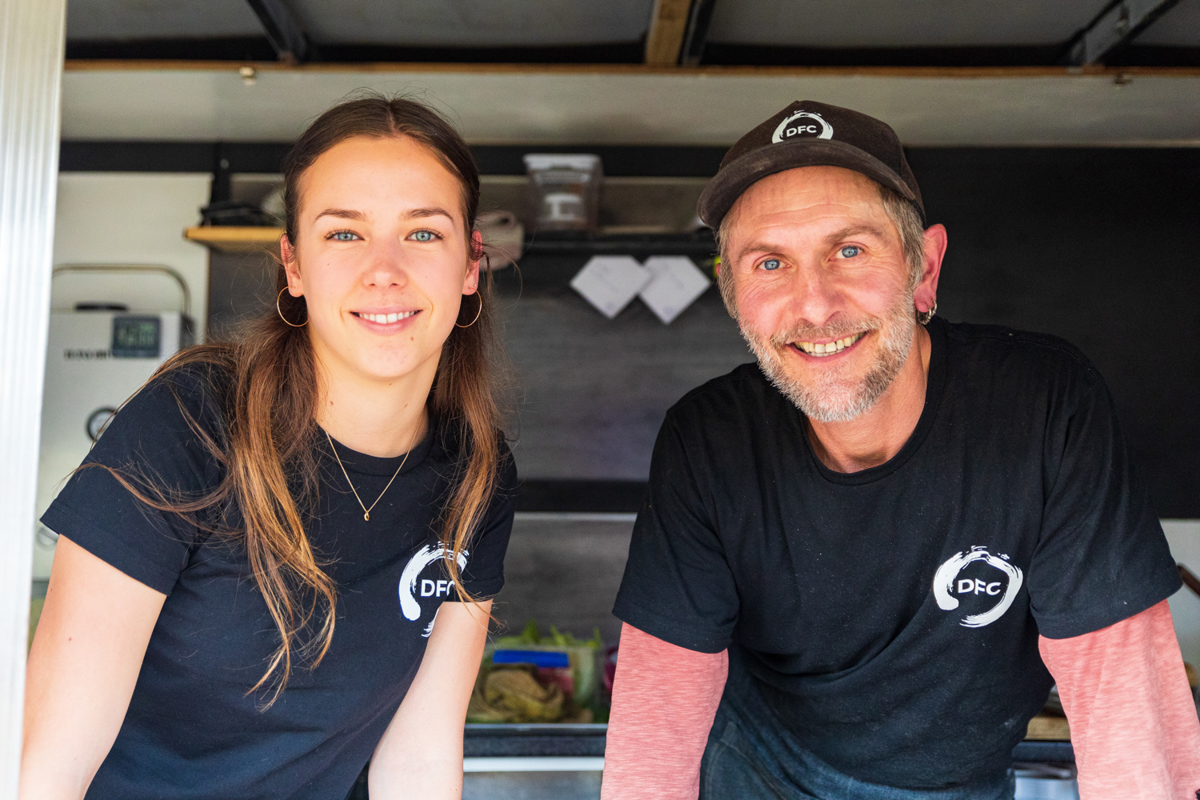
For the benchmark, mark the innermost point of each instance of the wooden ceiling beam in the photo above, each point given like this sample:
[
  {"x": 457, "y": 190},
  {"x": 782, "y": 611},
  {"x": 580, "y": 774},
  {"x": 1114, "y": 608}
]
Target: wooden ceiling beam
[
  {"x": 668, "y": 25},
  {"x": 383, "y": 68}
]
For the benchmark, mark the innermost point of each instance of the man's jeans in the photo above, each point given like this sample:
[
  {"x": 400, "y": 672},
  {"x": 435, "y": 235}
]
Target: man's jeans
[{"x": 752, "y": 759}]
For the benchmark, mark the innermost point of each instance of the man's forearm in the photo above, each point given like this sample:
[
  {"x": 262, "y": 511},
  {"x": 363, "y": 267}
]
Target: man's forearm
[
  {"x": 664, "y": 701},
  {"x": 1133, "y": 722}
]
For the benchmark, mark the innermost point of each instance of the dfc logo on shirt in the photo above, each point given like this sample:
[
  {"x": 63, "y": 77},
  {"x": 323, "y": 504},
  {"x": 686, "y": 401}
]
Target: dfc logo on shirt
[
  {"x": 990, "y": 582},
  {"x": 434, "y": 585}
]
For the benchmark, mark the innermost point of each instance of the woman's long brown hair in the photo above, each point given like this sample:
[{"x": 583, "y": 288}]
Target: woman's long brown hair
[{"x": 270, "y": 448}]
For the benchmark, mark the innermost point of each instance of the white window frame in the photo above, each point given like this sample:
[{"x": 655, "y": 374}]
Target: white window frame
[{"x": 31, "y": 66}]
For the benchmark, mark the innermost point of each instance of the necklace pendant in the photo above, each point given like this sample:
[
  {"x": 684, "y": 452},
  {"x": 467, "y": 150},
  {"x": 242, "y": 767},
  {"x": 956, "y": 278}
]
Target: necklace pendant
[{"x": 361, "y": 504}]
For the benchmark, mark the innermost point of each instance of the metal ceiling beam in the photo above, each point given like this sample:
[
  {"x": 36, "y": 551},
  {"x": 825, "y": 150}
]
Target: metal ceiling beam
[
  {"x": 1116, "y": 26},
  {"x": 699, "y": 22},
  {"x": 283, "y": 29},
  {"x": 668, "y": 24}
]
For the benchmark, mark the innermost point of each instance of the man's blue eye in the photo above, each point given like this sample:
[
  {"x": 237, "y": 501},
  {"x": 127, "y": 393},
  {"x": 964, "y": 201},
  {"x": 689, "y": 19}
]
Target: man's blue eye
[
  {"x": 424, "y": 236},
  {"x": 850, "y": 251},
  {"x": 771, "y": 263}
]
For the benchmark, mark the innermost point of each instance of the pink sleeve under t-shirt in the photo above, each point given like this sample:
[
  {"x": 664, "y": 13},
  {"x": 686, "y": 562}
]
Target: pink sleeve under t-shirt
[{"x": 1133, "y": 723}]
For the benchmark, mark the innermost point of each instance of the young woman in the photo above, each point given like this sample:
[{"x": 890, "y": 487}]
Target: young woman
[{"x": 273, "y": 567}]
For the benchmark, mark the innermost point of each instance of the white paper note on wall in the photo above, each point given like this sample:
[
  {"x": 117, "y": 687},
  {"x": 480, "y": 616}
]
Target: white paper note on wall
[
  {"x": 675, "y": 285},
  {"x": 610, "y": 282}
]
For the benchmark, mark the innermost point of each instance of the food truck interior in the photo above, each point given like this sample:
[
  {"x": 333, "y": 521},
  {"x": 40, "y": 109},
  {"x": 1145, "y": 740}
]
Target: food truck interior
[{"x": 1056, "y": 141}]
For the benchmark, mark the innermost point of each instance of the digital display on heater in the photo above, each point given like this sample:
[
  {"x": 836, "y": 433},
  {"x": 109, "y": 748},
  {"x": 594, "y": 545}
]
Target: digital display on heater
[{"x": 136, "y": 337}]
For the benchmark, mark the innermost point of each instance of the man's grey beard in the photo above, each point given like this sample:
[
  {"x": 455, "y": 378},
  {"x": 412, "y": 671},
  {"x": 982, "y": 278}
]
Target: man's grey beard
[{"x": 827, "y": 399}]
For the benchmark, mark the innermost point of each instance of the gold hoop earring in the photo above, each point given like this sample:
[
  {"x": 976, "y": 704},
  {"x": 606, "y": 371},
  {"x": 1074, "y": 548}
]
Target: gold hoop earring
[
  {"x": 278, "y": 310},
  {"x": 477, "y": 313}
]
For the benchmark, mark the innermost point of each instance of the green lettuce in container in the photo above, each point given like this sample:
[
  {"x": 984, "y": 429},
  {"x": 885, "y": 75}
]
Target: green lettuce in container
[{"x": 521, "y": 693}]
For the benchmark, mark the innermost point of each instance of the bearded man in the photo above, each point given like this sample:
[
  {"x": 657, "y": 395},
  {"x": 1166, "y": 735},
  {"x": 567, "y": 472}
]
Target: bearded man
[{"x": 864, "y": 561}]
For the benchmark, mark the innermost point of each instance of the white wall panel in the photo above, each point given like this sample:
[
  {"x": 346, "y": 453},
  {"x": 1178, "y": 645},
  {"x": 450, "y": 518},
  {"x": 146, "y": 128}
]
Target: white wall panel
[
  {"x": 634, "y": 106},
  {"x": 132, "y": 218},
  {"x": 31, "y": 51},
  {"x": 1184, "y": 538}
]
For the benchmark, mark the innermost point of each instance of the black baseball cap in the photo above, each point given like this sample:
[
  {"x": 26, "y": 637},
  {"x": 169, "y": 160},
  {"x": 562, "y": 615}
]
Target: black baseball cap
[{"x": 810, "y": 134}]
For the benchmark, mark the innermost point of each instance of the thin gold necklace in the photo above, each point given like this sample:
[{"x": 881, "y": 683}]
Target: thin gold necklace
[{"x": 366, "y": 511}]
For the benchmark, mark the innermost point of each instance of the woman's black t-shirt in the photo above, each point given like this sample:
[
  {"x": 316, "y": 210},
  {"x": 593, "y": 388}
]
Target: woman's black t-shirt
[{"x": 192, "y": 729}]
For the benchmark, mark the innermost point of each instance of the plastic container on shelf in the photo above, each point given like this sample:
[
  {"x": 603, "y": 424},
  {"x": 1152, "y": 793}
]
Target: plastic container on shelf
[
  {"x": 552, "y": 667},
  {"x": 566, "y": 190}
]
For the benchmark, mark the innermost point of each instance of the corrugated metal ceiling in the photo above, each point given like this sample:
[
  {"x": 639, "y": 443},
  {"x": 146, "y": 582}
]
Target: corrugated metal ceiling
[
  {"x": 885, "y": 23},
  {"x": 382, "y": 29},
  {"x": 673, "y": 106},
  {"x": 474, "y": 23},
  {"x": 1179, "y": 27},
  {"x": 159, "y": 19}
]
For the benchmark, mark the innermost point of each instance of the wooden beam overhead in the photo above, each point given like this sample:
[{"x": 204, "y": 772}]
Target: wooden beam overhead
[
  {"x": 668, "y": 24},
  {"x": 715, "y": 71}
]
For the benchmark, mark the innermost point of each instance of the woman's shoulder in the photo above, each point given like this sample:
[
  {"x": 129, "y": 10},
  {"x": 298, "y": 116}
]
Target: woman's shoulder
[
  {"x": 183, "y": 405},
  {"x": 451, "y": 440},
  {"x": 198, "y": 378},
  {"x": 203, "y": 370},
  {"x": 161, "y": 449}
]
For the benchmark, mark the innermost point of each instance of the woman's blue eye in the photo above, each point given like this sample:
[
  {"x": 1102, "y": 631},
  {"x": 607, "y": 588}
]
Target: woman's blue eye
[
  {"x": 343, "y": 236},
  {"x": 771, "y": 263},
  {"x": 850, "y": 251},
  {"x": 424, "y": 236}
]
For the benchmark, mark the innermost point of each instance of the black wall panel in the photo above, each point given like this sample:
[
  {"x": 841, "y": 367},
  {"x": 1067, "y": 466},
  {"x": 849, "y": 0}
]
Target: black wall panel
[{"x": 1099, "y": 246}]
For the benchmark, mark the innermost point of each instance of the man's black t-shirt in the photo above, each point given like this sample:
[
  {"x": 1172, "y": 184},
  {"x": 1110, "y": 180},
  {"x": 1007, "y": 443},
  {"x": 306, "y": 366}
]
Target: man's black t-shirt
[
  {"x": 889, "y": 618},
  {"x": 192, "y": 731}
]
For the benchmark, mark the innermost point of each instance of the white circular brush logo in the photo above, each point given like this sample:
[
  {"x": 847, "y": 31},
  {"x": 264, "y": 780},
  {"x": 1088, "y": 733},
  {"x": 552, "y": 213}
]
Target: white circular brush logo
[
  {"x": 802, "y": 123},
  {"x": 946, "y": 584},
  {"x": 429, "y": 587}
]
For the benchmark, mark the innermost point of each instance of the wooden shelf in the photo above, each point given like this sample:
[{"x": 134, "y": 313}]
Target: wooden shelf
[
  {"x": 248, "y": 239},
  {"x": 235, "y": 239}
]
